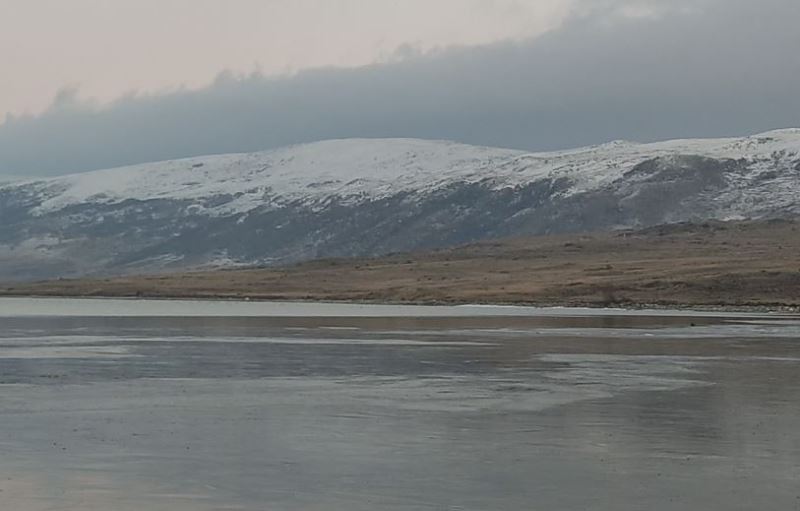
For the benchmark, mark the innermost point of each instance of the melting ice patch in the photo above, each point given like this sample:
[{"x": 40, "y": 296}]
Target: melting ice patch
[
  {"x": 64, "y": 352},
  {"x": 612, "y": 374},
  {"x": 570, "y": 378}
]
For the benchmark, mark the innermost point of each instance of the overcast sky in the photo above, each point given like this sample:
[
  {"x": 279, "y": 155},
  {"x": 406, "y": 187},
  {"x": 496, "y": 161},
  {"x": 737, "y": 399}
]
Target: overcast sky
[
  {"x": 108, "y": 47},
  {"x": 97, "y": 83}
]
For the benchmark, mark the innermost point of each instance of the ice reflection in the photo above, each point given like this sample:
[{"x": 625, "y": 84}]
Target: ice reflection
[{"x": 401, "y": 413}]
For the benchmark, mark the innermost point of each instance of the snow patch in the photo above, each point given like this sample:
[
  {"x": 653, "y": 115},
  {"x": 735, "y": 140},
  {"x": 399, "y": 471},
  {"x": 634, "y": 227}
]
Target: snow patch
[{"x": 358, "y": 170}]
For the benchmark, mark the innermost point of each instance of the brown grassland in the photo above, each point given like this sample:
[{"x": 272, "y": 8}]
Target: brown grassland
[{"x": 745, "y": 264}]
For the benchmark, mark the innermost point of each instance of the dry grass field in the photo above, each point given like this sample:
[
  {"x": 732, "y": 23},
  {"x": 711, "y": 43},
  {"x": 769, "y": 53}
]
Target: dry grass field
[{"x": 710, "y": 264}]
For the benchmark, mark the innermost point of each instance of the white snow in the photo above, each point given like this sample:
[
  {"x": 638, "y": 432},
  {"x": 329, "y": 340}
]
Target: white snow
[{"x": 364, "y": 169}]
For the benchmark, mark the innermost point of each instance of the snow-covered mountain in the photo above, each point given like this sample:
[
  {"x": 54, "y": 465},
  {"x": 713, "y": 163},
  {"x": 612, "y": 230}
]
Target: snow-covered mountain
[{"x": 370, "y": 196}]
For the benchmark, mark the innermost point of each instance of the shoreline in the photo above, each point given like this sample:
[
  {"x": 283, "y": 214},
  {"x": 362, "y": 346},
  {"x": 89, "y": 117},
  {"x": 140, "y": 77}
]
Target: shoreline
[{"x": 776, "y": 309}]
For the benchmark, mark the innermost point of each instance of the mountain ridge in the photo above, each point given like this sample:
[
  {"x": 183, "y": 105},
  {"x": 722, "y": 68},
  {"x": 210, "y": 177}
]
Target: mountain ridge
[
  {"x": 365, "y": 197},
  {"x": 543, "y": 162}
]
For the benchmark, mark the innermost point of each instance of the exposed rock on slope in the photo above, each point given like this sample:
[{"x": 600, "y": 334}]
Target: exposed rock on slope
[{"x": 369, "y": 197}]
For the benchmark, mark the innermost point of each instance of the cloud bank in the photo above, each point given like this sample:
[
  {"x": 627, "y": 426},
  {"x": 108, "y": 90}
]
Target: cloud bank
[{"x": 619, "y": 70}]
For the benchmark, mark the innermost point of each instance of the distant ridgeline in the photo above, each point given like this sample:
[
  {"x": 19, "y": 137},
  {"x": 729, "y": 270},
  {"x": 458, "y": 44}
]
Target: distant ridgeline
[{"x": 371, "y": 197}]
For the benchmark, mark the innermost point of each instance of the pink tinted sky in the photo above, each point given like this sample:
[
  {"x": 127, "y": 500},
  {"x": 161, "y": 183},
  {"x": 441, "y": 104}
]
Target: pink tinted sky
[{"x": 107, "y": 48}]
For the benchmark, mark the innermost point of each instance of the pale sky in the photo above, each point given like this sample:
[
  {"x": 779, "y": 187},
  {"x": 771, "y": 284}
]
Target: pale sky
[
  {"x": 524, "y": 74},
  {"x": 109, "y": 47}
]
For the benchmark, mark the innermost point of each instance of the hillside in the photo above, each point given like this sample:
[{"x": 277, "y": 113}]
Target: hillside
[
  {"x": 358, "y": 198},
  {"x": 713, "y": 264}
]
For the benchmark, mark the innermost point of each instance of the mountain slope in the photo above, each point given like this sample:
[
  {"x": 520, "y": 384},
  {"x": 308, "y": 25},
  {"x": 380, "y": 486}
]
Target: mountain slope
[
  {"x": 369, "y": 197},
  {"x": 710, "y": 264}
]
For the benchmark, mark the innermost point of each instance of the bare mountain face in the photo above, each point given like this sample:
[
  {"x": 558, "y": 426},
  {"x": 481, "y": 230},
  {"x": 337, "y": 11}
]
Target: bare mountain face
[{"x": 371, "y": 197}]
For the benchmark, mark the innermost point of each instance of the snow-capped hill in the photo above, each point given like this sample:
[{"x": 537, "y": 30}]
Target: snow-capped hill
[
  {"x": 357, "y": 169},
  {"x": 368, "y": 169},
  {"x": 371, "y": 196}
]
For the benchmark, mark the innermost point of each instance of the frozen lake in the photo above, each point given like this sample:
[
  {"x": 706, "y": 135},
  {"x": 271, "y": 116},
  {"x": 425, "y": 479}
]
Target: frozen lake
[{"x": 177, "y": 406}]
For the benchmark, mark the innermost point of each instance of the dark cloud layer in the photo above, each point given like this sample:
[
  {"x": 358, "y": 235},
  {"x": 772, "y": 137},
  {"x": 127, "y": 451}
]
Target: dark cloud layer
[{"x": 730, "y": 67}]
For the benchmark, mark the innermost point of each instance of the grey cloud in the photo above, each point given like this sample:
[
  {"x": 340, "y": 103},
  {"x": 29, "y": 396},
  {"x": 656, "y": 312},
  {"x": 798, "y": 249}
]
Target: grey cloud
[{"x": 715, "y": 67}]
